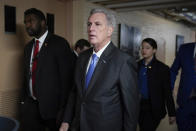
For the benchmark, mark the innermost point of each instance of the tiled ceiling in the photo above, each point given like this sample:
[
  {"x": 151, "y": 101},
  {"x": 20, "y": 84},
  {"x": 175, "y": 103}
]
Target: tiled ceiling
[{"x": 183, "y": 11}]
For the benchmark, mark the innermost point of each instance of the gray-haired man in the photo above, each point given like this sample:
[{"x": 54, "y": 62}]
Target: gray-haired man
[{"x": 108, "y": 100}]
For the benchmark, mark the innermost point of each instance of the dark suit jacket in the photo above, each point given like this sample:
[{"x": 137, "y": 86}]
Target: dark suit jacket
[
  {"x": 159, "y": 89},
  {"x": 185, "y": 61},
  {"x": 111, "y": 102},
  {"x": 53, "y": 74}
]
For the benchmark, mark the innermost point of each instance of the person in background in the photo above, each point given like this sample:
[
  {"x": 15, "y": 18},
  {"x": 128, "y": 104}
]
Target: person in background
[
  {"x": 155, "y": 88},
  {"x": 186, "y": 96},
  {"x": 80, "y": 46},
  {"x": 106, "y": 96},
  {"x": 48, "y": 69}
]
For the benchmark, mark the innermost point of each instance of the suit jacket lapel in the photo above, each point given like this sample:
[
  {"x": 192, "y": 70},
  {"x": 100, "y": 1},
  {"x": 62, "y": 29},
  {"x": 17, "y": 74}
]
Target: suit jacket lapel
[
  {"x": 188, "y": 53},
  {"x": 43, "y": 51},
  {"x": 84, "y": 67},
  {"x": 106, "y": 55},
  {"x": 28, "y": 55},
  {"x": 29, "y": 51},
  {"x": 192, "y": 48}
]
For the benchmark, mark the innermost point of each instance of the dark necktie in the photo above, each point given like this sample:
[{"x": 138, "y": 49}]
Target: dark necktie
[
  {"x": 91, "y": 70},
  {"x": 34, "y": 65}
]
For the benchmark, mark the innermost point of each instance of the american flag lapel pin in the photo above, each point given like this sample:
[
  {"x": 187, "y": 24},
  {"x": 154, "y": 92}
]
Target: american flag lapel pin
[{"x": 45, "y": 44}]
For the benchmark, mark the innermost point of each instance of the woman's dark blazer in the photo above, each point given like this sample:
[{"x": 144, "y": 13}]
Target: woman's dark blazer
[{"x": 159, "y": 88}]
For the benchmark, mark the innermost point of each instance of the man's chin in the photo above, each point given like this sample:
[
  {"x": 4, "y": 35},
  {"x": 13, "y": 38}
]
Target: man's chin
[
  {"x": 92, "y": 42},
  {"x": 30, "y": 33}
]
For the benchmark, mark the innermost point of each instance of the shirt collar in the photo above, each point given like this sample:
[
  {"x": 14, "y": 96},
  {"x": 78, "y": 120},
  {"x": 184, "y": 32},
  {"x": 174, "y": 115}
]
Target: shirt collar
[
  {"x": 76, "y": 52},
  {"x": 43, "y": 37},
  {"x": 149, "y": 64},
  {"x": 101, "y": 51}
]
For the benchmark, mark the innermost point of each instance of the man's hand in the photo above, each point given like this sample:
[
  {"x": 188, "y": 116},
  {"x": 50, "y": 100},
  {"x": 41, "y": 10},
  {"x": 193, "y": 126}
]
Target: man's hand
[
  {"x": 64, "y": 126},
  {"x": 172, "y": 120}
]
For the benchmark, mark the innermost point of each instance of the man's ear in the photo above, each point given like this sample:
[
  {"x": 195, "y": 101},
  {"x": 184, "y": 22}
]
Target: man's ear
[
  {"x": 43, "y": 23},
  {"x": 110, "y": 30}
]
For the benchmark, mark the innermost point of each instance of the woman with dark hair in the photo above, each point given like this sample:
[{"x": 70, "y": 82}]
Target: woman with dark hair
[{"x": 155, "y": 88}]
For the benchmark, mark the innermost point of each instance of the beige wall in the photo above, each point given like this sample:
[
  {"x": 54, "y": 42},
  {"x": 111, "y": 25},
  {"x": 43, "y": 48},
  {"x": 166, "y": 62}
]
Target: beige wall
[
  {"x": 78, "y": 20},
  {"x": 11, "y": 45}
]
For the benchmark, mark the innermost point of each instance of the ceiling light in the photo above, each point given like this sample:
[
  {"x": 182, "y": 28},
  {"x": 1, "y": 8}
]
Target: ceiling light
[
  {"x": 194, "y": 17},
  {"x": 184, "y": 9},
  {"x": 181, "y": 14},
  {"x": 189, "y": 14}
]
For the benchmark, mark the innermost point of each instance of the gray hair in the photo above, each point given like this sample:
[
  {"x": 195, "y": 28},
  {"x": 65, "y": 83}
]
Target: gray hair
[{"x": 111, "y": 20}]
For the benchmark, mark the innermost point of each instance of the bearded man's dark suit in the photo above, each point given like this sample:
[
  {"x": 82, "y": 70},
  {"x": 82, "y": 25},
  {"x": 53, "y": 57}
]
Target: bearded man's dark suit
[
  {"x": 53, "y": 76},
  {"x": 111, "y": 101}
]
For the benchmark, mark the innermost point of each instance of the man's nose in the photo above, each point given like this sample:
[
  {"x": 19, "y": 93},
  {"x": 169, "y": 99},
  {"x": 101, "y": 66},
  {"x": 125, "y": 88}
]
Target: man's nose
[
  {"x": 91, "y": 27},
  {"x": 28, "y": 24}
]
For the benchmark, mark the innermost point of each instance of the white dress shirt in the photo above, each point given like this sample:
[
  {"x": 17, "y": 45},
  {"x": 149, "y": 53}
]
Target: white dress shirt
[
  {"x": 98, "y": 54},
  {"x": 41, "y": 41}
]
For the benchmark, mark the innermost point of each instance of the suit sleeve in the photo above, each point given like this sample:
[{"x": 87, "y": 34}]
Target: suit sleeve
[
  {"x": 130, "y": 94},
  {"x": 169, "y": 101},
  {"x": 23, "y": 92},
  {"x": 66, "y": 64},
  {"x": 70, "y": 107},
  {"x": 175, "y": 68}
]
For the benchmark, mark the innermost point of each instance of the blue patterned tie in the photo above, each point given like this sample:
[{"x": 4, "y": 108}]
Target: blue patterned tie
[{"x": 91, "y": 70}]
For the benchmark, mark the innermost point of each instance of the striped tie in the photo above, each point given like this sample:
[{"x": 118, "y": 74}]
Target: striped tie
[{"x": 34, "y": 60}]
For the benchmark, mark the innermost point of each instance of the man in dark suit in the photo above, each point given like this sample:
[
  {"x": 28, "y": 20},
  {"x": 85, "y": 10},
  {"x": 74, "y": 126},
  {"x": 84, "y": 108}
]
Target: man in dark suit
[
  {"x": 109, "y": 99},
  {"x": 186, "y": 97},
  {"x": 80, "y": 46},
  {"x": 48, "y": 63}
]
